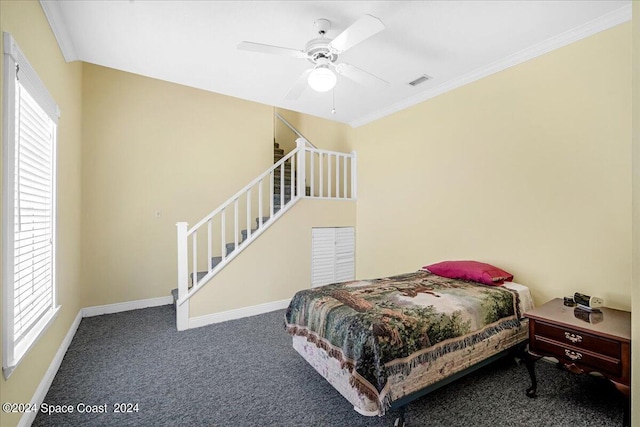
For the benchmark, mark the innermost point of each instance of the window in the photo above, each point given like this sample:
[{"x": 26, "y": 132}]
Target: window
[{"x": 30, "y": 118}]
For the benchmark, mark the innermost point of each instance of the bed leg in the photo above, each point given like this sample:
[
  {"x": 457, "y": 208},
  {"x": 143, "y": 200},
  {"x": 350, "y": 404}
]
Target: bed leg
[{"x": 400, "y": 420}]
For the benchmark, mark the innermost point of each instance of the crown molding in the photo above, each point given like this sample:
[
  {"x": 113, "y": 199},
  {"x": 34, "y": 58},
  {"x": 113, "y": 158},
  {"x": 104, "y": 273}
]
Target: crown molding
[
  {"x": 60, "y": 31},
  {"x": 594, "y": 26}
]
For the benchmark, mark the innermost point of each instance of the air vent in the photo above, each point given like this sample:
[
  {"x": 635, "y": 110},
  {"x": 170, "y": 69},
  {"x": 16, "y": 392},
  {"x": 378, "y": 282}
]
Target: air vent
[{"x": 423, "y": 78}]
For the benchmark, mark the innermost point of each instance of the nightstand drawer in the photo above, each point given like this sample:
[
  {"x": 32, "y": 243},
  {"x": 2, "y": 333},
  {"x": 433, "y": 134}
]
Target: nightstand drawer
[
  {"x": 578, "y": 339},
  {"x": 607, "y": 365}
]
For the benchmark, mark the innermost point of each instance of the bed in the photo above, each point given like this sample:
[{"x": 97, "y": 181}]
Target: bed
[{"x": 384, "y": 342}]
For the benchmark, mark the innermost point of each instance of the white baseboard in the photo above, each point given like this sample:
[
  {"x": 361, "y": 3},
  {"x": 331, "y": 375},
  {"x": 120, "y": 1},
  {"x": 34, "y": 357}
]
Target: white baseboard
[
  {"x": 41, "y": 392},
  {"x": 126, "y": 306},
  {"x": 208, "y": 319}
]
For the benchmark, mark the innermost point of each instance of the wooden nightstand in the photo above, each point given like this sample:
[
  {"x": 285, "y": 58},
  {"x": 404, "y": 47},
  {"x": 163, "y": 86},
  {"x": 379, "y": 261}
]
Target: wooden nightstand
[{"x": 582, "y": 341}]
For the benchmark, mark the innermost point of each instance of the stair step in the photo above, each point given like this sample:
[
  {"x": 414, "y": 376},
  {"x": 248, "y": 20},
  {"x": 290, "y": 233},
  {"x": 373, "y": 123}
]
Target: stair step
[
  {"x": 277, "y": 150},
  {"x": 287, "y": 176},
  {"x": 287, "y": 167},
  {"x": 287, "y": 179},
  {"x": 231, "y": 247},
  {"x": 276, "y": 145},
  {"x": 201, "y": 274},
  {"x": 266, "y": 218},
  {"x": 276, "y": 199},
  {"x": 277, "y": 156},
  {"x": 287, "y": 189},
  {"x": 215, "y": 261},
  {"x": 244, "y": 233},
  {"x": 264, "y": 221},
  {"x": 276, "y": 189}
]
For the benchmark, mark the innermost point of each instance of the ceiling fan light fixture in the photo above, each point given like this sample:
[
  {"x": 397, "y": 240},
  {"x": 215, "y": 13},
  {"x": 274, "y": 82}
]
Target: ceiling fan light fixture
[{"x": 322, "y": 79}]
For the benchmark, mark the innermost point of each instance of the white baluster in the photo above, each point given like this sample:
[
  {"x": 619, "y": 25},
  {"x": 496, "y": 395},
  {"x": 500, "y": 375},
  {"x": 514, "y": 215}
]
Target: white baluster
[
  {"x": 312, "y": 160},
  {"x": 344, "y": 177},
  {"x": 301, "y": 153},
  {"x": 337, "y": 176},
  {"x": 271, "y": 191},
  {"x": 292, "y": 185},
  {"x": 282, "y": 173},
  {"x": 194, "y": 240},
  {"x": 223, "y": 233},
  {"x": 321, "y": 174},
  {"x": 329, "y": 192},
  {"x": 301, "y": 147},
  {"x": 209, "y": 244},
  {"x": 260, "y": 204},
  {"x": 354, "y": 175},
  {"x": 248, "y": 213},
  {"x": 235, "y": 224}
]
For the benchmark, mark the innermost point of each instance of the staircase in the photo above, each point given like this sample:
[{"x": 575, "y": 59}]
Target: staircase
[
  {"x": 214, "y": 241},
  {"x": 278, "y": 154}
]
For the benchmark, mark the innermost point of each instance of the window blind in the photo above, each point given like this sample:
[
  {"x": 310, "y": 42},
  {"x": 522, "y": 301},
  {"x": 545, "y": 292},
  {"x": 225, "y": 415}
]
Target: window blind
[{"x": 33, "y": 212}]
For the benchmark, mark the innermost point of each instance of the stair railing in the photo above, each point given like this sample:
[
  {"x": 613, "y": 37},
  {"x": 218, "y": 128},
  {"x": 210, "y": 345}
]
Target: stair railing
[
  {"x": 305, "y": 172},
  {"x": 294, "y": 130}
]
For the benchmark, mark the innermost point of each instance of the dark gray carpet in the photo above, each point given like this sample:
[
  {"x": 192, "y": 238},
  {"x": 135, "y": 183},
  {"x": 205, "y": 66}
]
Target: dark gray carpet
[{"x": 245, "y": 373}]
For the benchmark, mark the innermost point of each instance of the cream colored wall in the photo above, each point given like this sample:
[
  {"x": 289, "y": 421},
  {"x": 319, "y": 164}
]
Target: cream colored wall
[
  {"x": 154, "y": 146},
  {"x": 277, "y": 264},
  {"x": 528, "y": 169},
  {"x": 322, "y": 133},
  {"x": 635, "y": 331},
  {"x": 28, "y": 25}
]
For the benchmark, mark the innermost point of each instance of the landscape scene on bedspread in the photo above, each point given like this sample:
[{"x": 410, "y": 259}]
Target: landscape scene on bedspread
[{"x": 415, "y": 317}]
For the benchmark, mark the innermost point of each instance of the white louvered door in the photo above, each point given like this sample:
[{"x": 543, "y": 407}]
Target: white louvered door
[
  {"x": 332, "y": 255},
  {"x": 344, "y": 254}
]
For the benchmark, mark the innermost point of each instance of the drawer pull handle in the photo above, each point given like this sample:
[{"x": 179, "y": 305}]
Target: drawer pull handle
[
  {"x": 574, "y": 338},
  {"x": 573, "y": 355}
]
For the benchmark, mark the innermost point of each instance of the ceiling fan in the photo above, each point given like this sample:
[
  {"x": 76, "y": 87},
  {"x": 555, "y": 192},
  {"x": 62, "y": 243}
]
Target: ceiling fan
[{"x": 323, "y": 53}]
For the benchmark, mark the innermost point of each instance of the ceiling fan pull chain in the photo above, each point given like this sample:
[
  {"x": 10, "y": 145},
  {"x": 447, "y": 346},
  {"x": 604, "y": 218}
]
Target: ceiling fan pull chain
[{"x": 333, "y": 109}]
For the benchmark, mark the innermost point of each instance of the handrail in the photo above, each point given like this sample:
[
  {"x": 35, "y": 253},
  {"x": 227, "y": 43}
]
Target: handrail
[
  {"x": 322, "y": 151},
  {"x": 305, "y": 172},
  {"x": 283, "y": 120},
  {"x": 239, "y": 193}
]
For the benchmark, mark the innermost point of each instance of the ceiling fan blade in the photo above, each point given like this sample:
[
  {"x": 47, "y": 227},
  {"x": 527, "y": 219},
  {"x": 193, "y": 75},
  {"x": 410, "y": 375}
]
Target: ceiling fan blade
[
  {"x": 299, "y": 86},
  {"x": 359, "y": 31},
  {"x": 274, "y": 50},
  {"x": 360, "y": 76}
]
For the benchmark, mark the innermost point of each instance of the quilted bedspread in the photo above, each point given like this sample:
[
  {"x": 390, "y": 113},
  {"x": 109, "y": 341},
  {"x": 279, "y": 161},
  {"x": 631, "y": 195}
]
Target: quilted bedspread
[{"x": 380, "y": 327}]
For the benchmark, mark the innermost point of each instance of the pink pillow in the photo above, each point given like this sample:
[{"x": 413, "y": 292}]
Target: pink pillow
[{"x": 470, "y": 270}]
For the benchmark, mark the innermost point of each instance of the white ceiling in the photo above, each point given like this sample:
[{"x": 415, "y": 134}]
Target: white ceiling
[{"x": 194, "y": 43}]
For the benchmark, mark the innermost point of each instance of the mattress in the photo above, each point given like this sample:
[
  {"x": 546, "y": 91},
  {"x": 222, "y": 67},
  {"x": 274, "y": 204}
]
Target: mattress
[{"x": 423, "y": 372}]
